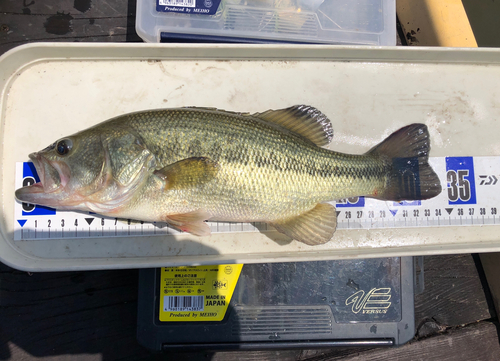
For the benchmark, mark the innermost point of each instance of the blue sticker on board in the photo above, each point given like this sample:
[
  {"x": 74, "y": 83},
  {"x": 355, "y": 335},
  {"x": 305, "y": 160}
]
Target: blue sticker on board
[
  {"x": 31, "y": 177},
  {"x": 198, "y": 7},
  {"x": 460, "y": 179},
  {"x": 351, "y": 202}
]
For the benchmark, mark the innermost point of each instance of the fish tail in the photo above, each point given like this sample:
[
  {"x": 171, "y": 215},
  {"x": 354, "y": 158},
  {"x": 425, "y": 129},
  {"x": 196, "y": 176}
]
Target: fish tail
[{"x": 409, "y": 175}]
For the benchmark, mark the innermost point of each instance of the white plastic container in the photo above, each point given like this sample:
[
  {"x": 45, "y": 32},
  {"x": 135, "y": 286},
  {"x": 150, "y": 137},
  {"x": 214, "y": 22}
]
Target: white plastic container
[
  {"x": 52, "y": 90},
  {"x": 369, "y": 22}
]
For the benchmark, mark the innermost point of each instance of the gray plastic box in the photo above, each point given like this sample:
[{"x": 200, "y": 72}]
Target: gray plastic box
[
  {"x": 295, "y": 305},
  {"x": 369, "y": 22}
]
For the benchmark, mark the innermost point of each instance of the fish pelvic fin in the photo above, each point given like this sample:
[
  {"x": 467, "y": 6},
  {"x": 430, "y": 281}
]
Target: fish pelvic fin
[
  {"x": 191, "y": 222},
  {"x": 304, "y": 120},
  {"x": 313, "y": 227},
  {"x": 410, "y": 177}
]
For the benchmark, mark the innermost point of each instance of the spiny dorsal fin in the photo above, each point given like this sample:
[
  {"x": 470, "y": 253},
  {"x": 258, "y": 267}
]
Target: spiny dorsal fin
[
  {"x": 209, "y": 109},
  {"x": 304, "y": 120},
  {"x": 313, "y": 227}
]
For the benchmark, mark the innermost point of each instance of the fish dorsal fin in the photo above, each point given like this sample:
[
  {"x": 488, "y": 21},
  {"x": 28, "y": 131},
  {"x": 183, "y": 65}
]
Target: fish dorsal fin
[
  {"x": 303, "y": 120},
  {"x": 313, "y": 227},
  {"x": 208, "y": 109}
]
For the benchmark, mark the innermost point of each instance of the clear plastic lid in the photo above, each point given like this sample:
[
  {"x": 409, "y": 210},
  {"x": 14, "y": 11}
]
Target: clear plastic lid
[{"x": 370, "y": 22}]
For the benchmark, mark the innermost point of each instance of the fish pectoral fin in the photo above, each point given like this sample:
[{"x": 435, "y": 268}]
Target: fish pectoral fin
[
  {"x": 313, "y": 227},
  {"x": 303, "y": 120},
  {"x": 188, "y": 172},
  {"x": 192, "y": 222}
]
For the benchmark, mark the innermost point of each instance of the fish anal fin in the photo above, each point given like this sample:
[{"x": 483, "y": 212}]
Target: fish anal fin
[
  {"x": 303, "y": 120},
  {"x": 191, "y": 222},
  {"x": 188, "y": 172},
  {"x": 313, "y": 227}
]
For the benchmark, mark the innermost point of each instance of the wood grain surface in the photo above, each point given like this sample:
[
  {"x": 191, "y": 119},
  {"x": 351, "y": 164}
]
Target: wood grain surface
[
  {"x": 23, "y": 21},
  {"x": 454, "y": 295},
  {"x": 476, "y": 342}
]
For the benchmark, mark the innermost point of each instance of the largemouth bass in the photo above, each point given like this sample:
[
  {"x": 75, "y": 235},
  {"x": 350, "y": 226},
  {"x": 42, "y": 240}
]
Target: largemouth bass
[{"x": 188, "y": 165}]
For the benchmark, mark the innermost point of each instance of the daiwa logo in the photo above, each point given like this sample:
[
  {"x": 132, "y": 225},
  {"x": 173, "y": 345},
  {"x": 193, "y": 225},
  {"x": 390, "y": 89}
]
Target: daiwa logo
[{"x": 375, "y": 301}]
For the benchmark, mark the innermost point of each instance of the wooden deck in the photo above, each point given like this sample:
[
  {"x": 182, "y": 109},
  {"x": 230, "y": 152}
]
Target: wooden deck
[{"x": 92, "y": 315}]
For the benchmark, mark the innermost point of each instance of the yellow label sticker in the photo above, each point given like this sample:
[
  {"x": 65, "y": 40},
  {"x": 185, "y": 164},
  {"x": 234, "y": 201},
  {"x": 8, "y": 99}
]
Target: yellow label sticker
[{"x": 199, "y": 293}]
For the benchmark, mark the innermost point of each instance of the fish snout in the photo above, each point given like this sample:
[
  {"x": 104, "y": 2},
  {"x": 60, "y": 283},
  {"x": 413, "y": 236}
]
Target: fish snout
[
  {"x": 53, "y": 174},
  {"x": 50, "y": 189}
]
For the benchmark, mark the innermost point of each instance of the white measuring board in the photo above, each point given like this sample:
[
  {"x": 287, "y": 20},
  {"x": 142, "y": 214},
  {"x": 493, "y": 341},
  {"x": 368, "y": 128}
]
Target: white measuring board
[{"x": 470, "y": 197}]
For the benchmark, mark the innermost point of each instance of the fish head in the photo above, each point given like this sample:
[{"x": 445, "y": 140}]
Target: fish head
[
  {"x": 94, "y": 170},
  {"x": 68, "y": 169}
]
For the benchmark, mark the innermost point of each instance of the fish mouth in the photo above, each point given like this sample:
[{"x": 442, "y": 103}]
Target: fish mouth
[{"x": 53, "y": 178}]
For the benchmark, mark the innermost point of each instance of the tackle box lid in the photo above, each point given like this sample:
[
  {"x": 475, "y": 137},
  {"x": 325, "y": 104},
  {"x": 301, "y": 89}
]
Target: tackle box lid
[
  {"x": 368, "y": 22},
  {"x": 336, "y": 303}
]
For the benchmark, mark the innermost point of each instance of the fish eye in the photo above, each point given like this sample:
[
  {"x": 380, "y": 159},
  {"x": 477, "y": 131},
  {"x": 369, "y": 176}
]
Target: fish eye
[{"x": 64, "y": 146}]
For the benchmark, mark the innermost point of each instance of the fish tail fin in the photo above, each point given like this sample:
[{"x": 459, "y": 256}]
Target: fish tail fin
[{"x": 410, "y": 175}]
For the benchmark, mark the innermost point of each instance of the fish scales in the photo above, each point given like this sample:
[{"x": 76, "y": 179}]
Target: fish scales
[{"x": 272, "y": 172}]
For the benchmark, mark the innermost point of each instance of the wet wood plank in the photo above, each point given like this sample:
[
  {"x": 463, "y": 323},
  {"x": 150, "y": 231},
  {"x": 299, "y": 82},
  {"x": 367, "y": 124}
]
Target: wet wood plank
[
  {"x": 66, "y": 20},
  {"x": 90, "y": 314},
  {"x": 474, "y": 342},
  {"x": 454, "y": 295},
  {"x": 491, "y": 267}
]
